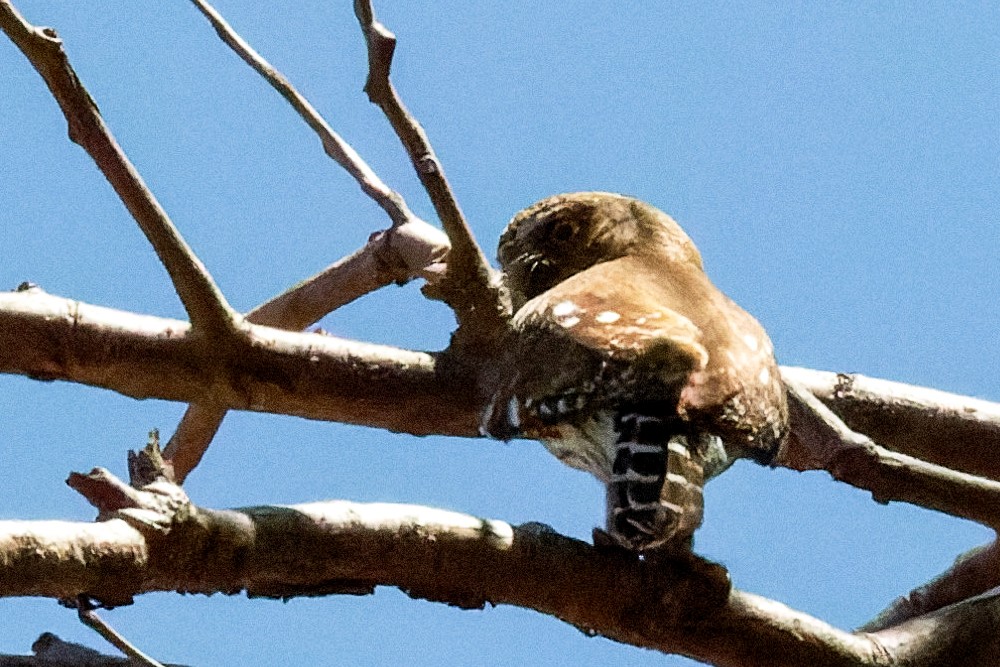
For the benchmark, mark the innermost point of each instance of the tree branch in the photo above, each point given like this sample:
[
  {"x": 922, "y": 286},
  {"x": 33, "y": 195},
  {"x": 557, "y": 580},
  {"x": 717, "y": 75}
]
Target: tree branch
[
  {"x": 307, "y": 375},
  {"x": 89, "y": 618},
  {"x": 51, "y": 338},
  {"x": 51, "y": 651},
  {"x": 414, "y": 249},
  {"x": 163, "y": 542},
  {"x": 973, "y": 573},
  {"x": 819, "y": 440},
  {"x": 396, "y": 254},
  {"x": 339, "y": 150},
  {"x": 205, "y": 304},
  {"x": 960, "y": 432},
  {"x": 471, "y": 287}
]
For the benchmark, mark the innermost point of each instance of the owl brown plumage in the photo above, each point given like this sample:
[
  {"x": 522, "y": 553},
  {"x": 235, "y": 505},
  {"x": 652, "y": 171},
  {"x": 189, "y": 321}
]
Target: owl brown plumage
[{"x": 626, "y": 361}]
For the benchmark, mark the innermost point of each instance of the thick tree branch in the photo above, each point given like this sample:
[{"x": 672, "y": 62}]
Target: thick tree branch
[
  {"x": 205, "y": 304},
  {"x": 819, "y": 440},
  {"x": 959, "y": 432},
  {"x": 470, "y": 286},
  {"x": 308, "y": 375},
  {"x": 51, "y": 338},
  {"x": 164, "y": 543}
]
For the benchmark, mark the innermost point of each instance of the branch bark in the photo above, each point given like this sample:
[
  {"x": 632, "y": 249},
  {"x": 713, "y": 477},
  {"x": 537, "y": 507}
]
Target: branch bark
[
  {"x": 973, "y": 574},
  {"x": 308, "y": 375},
  {"x": 470, "y": 286},
  {"x": 959, "y": 432},
  {"x": 396, "y": 254},
  {"x": 162, "y": 542},
  {"x": 51, "y": 338},
  {"x": 819, "y": 440},
  {"x": 209, "y": 312}
]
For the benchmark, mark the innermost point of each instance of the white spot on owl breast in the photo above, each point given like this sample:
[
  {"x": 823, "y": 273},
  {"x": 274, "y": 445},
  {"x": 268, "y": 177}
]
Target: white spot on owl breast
[
  {"x": 568, "y": 322},
  {"x": 751, "y": 341},
  {"x": 608, "y": 317},
  {"x": 764, "y": 376}
]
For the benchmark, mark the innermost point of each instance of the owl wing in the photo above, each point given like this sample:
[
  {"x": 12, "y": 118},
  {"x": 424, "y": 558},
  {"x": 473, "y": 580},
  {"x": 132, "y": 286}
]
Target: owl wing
[
  {"x": 585, "y": 344},
  {"x": 672, "y": 325},
  {"x": 618, "y": 320}
]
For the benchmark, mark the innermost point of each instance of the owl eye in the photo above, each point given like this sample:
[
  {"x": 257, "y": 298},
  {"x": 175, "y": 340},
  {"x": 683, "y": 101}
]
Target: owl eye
[{"x": 562, "y": 232}]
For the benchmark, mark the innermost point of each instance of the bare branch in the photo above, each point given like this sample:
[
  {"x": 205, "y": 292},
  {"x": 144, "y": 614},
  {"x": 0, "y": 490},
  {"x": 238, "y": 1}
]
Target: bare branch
[
  {"x": 363, "y": 272},
  {"x": 51, "y": 651},
  {"x": 89, "y": 618},
  {"x": 343, "y": 547},
  {"x": 470, "y": 287},
  {"x": 205, "y": 304},
  {"x": 961, "y": 634},
  {"x": 48, "y": 337},
  {"x": 397, "y": 254},
  {"x": 308, "y": 375},
  {"x": 973, "y": 573},
  {"x": 821, "y": 441},
  {"x": 959, "y": 432},
  {"x": 339, "y": 150}
]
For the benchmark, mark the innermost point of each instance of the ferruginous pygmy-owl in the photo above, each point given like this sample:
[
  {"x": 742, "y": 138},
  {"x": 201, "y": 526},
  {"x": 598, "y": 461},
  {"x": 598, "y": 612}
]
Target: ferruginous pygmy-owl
[{"x": 626, "y": 361}]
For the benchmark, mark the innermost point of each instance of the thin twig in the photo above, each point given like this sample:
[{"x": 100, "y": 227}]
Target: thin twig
[
  {"x": 206, "y": 306},
  {"x": 339, "y": 150},
  {"x": 470, "y": 287},
  {"x": 821, "y": 441},
  {"x": 362, "y": 272},
  {"x": 85, "y": 612}
]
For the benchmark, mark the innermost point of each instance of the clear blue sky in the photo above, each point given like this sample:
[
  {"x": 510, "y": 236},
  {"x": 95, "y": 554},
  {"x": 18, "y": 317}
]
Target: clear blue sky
[{"x": 837, "y": 166}]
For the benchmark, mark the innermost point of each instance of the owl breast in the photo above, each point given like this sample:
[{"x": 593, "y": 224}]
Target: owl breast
[{"x": 586, "y": 443}]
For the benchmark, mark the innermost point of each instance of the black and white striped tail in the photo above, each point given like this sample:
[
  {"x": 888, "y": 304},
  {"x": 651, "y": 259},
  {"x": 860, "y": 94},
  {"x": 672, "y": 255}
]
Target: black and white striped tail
[{"x": 655, "y": 492}]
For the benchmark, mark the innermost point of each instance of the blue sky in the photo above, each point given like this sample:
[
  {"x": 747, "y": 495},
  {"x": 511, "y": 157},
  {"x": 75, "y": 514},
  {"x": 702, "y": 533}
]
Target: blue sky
[{"x": 837, "y": 165}]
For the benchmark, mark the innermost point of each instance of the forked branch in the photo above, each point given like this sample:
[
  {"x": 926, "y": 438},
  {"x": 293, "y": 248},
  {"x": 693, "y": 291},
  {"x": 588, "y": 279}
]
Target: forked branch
[
  {"x": 821, "y": 441},
  {"x": 409, "y": 248},
  {"x": 470, "y": 287},
  {"x": 951, "y": 430},
  {"x": 397, "y": 254},
  {"x": 209, "y": 312}
]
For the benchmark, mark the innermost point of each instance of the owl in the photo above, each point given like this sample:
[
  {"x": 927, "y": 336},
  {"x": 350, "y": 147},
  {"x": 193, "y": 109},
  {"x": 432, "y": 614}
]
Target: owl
[{"x": 627, "y": 362}]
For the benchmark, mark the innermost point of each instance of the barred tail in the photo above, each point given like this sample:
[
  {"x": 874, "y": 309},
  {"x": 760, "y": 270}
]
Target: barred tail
[{"x": 655, "y": 491}]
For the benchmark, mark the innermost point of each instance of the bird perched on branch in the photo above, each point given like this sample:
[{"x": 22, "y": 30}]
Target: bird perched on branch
[{"x": 627, "y": 362}]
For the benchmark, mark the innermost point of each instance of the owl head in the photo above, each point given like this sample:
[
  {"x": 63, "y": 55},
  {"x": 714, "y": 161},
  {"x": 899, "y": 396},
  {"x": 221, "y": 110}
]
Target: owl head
[{"x": 563, "y": 235}]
